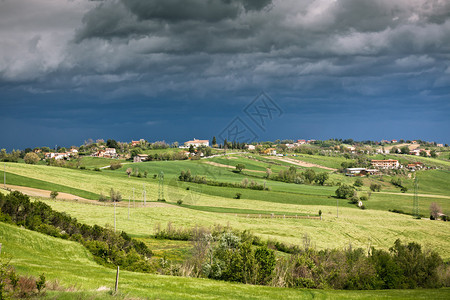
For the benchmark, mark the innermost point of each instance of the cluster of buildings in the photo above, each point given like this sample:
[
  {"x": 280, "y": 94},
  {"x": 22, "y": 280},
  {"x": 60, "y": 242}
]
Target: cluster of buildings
[
  {"x": 59, "y": 156},
  {"x": 107, "y": 153},
  {"x": 379, "y": 164},
  {"x": 376, "y": 164}
]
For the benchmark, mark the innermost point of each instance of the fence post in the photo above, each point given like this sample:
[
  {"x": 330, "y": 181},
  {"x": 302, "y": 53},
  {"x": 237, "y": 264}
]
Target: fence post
[{"x": 116, "y": 287}]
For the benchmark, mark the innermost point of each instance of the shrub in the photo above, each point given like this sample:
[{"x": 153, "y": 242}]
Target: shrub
[
  {"x": 358, "y": 182},
  {"x": 240, "y": 167},
  {"x": 97, "y": 169},
  {"x": 115, "y": 165},
  {"x": 404, "y": 189},
  {"x": 31, "y": 158},
  {"x": 53, "y": 194},
  {"x": 238, "y": 196},
  {"x": 375, "y": 187},
  {"x": 179, "y": 202},
  {"x": 115, "y": 195},
  {"x": 40, "y": 284},
  {"x": 363, "y": 198},
  {"x": 344, "y": 191},
  {"x": 102, "y": 198},
  {"x": 82, "y": 168}
]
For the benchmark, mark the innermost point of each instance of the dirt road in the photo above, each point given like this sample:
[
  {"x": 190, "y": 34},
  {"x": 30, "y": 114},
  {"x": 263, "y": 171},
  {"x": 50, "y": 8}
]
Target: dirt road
[
  {"x": 300, "y": 163},
  {"x": 33, "y": 192}
]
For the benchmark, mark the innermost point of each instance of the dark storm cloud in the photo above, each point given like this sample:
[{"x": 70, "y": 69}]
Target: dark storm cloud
[{"x": 314, "y": 53}]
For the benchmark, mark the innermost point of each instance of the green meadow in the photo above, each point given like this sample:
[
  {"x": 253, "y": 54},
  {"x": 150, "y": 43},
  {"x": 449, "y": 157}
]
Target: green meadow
[
  {"x": 74, "y": 268},
  {"x": 342, "y": 223}
]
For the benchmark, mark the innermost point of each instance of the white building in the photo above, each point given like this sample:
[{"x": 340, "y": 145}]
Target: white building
[
  {"x": 197, "y": 143},
  {"x": 386, "y": 164},
  {"x": 140, "y": 158}
]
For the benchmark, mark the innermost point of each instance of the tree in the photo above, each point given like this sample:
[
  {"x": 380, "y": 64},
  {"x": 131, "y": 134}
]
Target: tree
[
  {"x": 54, "y": 194},
  {"x": 321, "y": 178},
  {"x": 31, "y": 158},
  {"x": 404, "y": 150},
  {"x": 358, "y": 182},
  {"x": 240, "y": 167},
  {"x": 191, "y": 149},
  {"x": 310, "y": 175},
  {"x": 112, "y": 144},
  {"x": 433, "y": 153},
  {"x": 214, "y": 141},
  {"x": 115, "y": 195},
  {"x": 375, "y": 187},
  {"x": 268, "y": 172},
  {"x": 129, "y": 170},
  {"x": 435, "y": 210},
  {"x": 344, "y": 191}
]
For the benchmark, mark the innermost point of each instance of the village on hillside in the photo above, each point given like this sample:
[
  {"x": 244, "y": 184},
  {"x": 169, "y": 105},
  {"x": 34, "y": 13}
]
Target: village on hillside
[{"x": 384, "y": 155}]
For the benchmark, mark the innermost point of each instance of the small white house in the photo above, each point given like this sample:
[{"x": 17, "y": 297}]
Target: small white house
[
  {"x": 140, "y": 158},
  {"x": 197, "y": 143}
]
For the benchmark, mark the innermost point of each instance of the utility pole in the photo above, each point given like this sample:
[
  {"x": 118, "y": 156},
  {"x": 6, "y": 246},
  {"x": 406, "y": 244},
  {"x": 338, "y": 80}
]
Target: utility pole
[
  {"x": 337, "y": 207},
  {"x": 416, "y": 198},
  {"x": 145, "y": 195},
  {"x": 161, "y": 187}
]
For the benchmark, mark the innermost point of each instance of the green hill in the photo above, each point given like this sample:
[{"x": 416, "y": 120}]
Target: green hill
[{"x": 68, "y": 262}]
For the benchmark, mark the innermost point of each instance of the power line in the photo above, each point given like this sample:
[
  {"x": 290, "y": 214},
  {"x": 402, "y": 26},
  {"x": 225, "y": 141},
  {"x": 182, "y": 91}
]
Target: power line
[{"x": 161, "y": 187}]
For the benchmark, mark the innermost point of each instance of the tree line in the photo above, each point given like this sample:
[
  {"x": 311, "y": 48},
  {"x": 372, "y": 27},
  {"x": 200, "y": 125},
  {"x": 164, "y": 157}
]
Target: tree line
[
  {"x": 109, "y": 248},
  {"x": 239, "y": 256}
]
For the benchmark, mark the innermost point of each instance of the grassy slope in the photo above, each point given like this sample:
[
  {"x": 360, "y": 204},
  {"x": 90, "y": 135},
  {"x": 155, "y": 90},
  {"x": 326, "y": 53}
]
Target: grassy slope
[
  {"x": 98, "y": 162},
  {"x": 358, "y": 227},
  {"x": 71, "y": 264}
]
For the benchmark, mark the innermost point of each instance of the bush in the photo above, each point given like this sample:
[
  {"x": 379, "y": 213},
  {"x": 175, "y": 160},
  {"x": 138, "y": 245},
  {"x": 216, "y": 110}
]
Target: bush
[
  {"x": 115, "y": 195},
  {"x": 344, "y": 191},
  {"x": 97, "y": 169},
  {"x": 358, "y": 182},
  {"x": 53, "y": 194},
  {"x": 375, "y": 187},
  {"x": 115, "y": 165},
  {"x": 102, "y": 198},
  {"x": 179, "y": 202},
  {"x": 238, "y": 196},
  {"x": 40, "y": 284},
  {"x": 31, "y": 158},
  {"x": 240, "y": 167},
  {"x": 404, "y": 189},
  {"x": 363, "y": 198}
]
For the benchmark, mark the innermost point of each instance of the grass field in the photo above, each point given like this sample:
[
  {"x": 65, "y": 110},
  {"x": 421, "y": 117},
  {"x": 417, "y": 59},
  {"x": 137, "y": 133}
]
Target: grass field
[
  {"x": 69, "y": 263},
  {"x": 360, "y": 228}
]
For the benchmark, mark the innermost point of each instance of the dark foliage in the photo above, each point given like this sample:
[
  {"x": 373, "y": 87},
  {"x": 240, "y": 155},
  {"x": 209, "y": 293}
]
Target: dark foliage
[{"x": 109, "y": 247}]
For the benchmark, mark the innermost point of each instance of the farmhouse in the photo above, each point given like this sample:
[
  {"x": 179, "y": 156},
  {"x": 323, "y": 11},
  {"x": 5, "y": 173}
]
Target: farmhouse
[
  {"x": 353, "y": 171},
  {"x": 417, "y": 152},
  {"x": 440, "y": 145},
  {"x": 137, "y": 143},
  {"x": 385, "y": 164},
  {"x": 301, "y": 142},
  {"x": 140, "y": 158},
  {"x": 197, "y": 143},
  {"x": 250, "y": 147},
  {"x": 415, "y": 165},
  {"x": 110, "y": 152},
  {"x": 360, "y": 172}
]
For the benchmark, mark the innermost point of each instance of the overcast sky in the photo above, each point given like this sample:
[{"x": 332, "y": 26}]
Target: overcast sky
[{"x": 173, "y": 70}]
